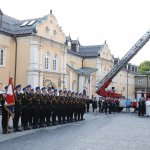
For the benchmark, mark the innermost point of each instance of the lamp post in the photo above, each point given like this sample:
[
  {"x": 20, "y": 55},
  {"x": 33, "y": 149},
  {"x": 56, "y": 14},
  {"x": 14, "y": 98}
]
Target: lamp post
[{"x": 127, "y": 83}]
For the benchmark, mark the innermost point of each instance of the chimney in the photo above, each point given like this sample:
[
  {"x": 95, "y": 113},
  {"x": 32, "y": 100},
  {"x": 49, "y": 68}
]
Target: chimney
[
  {"x": 51, "y": 11},
  {"x": 1, "y": 18}
]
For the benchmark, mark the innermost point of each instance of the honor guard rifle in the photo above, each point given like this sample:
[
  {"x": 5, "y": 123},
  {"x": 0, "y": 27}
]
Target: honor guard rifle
[{"x": 104, "y": 83}]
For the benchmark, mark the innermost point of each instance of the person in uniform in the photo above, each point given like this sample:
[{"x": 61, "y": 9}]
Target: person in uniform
[
  {"x": 5, "y": 115},
  {"x": 100, "y": 104},
  {"x": 94, "y": 105},
  {"x": 17, "y": 108},
  {"x": 105, "y": 105},
  {"x": 49, "y": 105},
  {"x": 110, "y": 106},
  {"x": 54, "y": 107},
  {"x": 65, "y": 106},
  {"x": 87, "y": 104},
  {"x": 79, "y": 106},
  {"x": 44, "y": 102},
  {"x": 27, "y": 107},
  {"x": 143, "y": 107},
  {"x": 36, "y": 107}
]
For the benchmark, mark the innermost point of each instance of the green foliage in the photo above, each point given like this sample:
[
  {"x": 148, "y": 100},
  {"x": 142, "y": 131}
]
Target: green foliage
[{"x": 144, "y": 67}]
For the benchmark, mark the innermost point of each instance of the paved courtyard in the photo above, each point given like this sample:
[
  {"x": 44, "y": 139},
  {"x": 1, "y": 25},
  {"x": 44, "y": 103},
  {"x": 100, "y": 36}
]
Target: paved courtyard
[{"x": 98, "y": 132}]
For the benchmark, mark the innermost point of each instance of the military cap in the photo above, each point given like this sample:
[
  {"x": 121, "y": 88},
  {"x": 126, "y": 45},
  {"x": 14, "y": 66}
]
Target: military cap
[
  {"x": 69, "y": 91},
  {"x": 72, "y": 93},
  {"x": 65, "y": 91},
  {"x": 18, "y": 86},
  {"x": 80, "y": 94},
  {"x": 60, "y": 90},
  {"x": 37, "y": 88},
  {"x": 29, "y": 86},
  {"x": 43, "y": 88},
  {"x": 55, "y": 90},
  {"x": 49, "y": 89},
  {"x": 6, "y": 87},
  {"x": 24, "y": 89}
]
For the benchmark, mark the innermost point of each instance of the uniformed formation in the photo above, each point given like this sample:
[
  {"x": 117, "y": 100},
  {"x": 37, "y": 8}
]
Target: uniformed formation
[
  {"x": 44, "y": 107},
  {"x": 106, "y": 105}
]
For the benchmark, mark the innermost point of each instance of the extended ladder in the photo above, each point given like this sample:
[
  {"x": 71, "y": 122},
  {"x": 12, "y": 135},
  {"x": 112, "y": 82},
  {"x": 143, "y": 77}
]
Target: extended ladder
[{"x": 128, "y": 56}]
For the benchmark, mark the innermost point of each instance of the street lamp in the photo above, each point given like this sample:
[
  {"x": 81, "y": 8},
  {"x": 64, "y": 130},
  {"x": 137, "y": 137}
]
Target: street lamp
[{"x": 127, "y": 83}]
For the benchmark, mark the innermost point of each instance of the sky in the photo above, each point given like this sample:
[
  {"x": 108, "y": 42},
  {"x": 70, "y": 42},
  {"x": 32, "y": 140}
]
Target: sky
[{"x": 120, "y": 22}]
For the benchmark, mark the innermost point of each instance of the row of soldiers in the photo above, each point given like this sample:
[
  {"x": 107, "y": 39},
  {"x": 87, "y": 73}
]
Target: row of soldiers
[
  {"x": 44, "y": 107},
  {"x": 106, "y": 104}
]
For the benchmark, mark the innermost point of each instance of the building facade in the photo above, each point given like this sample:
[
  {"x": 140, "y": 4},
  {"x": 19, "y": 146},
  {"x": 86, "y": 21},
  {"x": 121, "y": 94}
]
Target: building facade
[
  {"x": 142, "y": 86},
  {"x": 37, "y": 52},
  {"x": 32, "y": 51}
]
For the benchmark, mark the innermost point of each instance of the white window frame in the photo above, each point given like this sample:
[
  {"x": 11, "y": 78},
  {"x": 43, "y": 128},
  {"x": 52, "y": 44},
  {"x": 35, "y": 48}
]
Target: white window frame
[
  {"x": 47, "y": 61},
  {"x": 140, "y": 81},
  {"x": 4, "y": 57},
  {"x": 55, "y": 63}
]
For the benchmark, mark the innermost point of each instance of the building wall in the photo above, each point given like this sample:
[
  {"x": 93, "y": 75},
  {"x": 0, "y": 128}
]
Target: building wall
[
  {"x": 142, "y": 83},
  {"x": 121, "y": 86},
  {"x": 74, "y": 61},
  {"x": 7, "y": 43},
  {"x": 89, "y": 62}
]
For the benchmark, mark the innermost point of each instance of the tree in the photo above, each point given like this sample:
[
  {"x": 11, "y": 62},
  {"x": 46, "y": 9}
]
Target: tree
[{"x": 144, "y": 67}]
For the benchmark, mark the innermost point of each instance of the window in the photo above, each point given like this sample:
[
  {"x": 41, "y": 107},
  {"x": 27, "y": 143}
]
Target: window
[
  {"x": 2, "y": 57},
  {"x": 24, "y": 23},
  {"x": 55, "y": 32},
  {"x": 55, "y": 62},
  {"x": 47, "y": 30},
  {"x": 140, "y": 81},
  {"x": 47, "y": 61},
  {"x": 31, "y": 22}
]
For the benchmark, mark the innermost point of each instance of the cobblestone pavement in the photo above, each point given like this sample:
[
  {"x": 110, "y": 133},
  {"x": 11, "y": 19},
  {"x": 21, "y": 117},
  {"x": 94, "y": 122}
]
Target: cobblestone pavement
[{"x": 98, "y": 132}]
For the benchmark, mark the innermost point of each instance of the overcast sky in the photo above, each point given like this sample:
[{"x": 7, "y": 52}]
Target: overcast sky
[{"x": 120, "y": 22}]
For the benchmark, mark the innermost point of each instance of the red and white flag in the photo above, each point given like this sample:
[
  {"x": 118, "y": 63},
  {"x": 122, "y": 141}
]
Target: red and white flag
[{"x": 10, "y": 99}]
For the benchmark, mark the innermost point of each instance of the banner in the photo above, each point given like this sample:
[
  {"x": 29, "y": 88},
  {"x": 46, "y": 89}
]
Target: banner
[{"x": 10, "y": 98}]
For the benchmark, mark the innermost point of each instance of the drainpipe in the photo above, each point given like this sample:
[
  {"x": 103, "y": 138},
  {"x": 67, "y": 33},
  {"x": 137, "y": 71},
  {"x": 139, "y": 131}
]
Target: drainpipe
[
  {"x": 16, "y": 52},
  {"x": 82, "y": 61}
]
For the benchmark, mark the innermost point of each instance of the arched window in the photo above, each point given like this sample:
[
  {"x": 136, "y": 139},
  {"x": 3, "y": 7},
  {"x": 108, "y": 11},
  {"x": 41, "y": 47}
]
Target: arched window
[
  {"x": 47, "y": 30},
  {"x": 55, "y": 62},
  {"x": 47, "y": 61}
]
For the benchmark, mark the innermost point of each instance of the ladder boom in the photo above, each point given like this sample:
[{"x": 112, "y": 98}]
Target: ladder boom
[{"x": 127, "y": 57}]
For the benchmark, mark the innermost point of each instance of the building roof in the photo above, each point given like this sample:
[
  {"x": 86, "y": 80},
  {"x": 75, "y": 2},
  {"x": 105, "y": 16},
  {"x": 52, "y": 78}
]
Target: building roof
[
  {"x": 87, "y": 51},
  {"x": 86, "y": 71},
  {"x": 14, "y": 26}
]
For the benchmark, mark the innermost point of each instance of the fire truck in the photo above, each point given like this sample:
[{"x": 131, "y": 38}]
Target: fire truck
[{"x": 104, "y": 83}]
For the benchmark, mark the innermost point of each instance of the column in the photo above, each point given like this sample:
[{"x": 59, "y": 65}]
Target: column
[
  {"x": 90, "y": 87},
  {"x": 81, "y": 82},
  {"x": 41, "y": 66},
  {"x": 33, "y": 64},
  {"x": 71, "y": 80},
  {"x": 64, "y": 69}
]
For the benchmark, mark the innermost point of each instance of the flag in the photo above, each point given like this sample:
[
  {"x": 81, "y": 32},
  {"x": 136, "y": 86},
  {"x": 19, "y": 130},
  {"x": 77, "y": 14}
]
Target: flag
[{"x": 10, "y": 98}]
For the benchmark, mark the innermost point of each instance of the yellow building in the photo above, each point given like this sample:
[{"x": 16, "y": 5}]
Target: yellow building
[
  {"x": 37, "y": 52},
  {"x": 87, "y": 65},
  {"x": 32, "y": 51}
]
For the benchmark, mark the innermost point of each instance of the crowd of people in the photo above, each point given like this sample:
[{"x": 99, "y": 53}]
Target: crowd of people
[
  {"x": 46, "y": 107},
  {"x": 106, "y": 105},
  {"x": 41, "y": 108}
]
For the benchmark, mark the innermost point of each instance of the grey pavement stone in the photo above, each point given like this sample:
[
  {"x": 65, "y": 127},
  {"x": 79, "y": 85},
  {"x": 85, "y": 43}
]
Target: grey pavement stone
[{"x": 98, "y": 132}]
